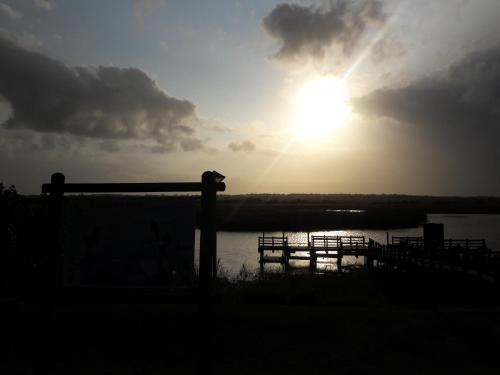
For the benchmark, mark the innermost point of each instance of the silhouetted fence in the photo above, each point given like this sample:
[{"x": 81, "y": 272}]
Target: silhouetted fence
[
  {"x": 209, "y": 186},
  {"x": 470, "y": 256},
  {"x": 50, "y": 273}
]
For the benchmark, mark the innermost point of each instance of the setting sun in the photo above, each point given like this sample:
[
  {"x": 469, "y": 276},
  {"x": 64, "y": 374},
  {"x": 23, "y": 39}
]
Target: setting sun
[{"x": 321, "y": 107}]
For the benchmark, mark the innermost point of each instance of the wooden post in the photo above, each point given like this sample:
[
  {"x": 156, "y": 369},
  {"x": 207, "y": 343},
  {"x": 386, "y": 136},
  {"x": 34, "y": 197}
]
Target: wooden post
[
  {"x": 339, "y": 258},
  {"x": 208, "y": 268},
  {"x": 53, "y": 270},
  {"x": 261, "y": 253},
  {"x": 286, "y": 253},
  {"x": 208, "y": 233},
  {"x": 369, "y": 255},
  {"x": 49, "y": 281},
  {"x": 312, "y": 254}
]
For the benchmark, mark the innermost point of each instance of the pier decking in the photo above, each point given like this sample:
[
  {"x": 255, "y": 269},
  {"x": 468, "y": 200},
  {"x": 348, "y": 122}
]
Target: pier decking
[
  {"x": 470, "y": 256},
  {"x": 317, "y": 247}
]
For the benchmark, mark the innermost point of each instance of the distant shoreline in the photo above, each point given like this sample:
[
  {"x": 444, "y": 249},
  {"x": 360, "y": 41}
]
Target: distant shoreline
[
  {"x": 313, "y": 212},
  {"x": 429, "y": 204}
]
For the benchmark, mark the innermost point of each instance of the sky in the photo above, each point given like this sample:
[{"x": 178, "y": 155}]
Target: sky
[{"x": 360, "y": 96}]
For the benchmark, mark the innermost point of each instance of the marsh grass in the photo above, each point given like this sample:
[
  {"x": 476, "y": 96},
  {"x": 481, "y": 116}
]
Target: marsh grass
[{"x": 357, "y": 287}]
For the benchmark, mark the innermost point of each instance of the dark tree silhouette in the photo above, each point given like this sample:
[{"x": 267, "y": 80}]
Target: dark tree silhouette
[{"x": 8, "y": 202}]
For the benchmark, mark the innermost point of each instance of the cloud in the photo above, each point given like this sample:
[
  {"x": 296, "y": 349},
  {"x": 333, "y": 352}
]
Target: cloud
[
  {"x": 191, "y": 144},
  {"x": 309, "y": 30},
  {"x": 45, "y": 4},
  {"x": 457, "y": 111},
  {"x": 245, "y": 146},
  {"x": 22, "y": 142},
  {"x": 9, "y": 12},
  {"x": 467, "y": 95},
  {"x": 386, "y": 48},
  {"x": 109, "y": 146},
  {"x": 24, "y": 39},
  {"x": 215, "y": 126},
  {"x": 103, "y": 102},
  {"x": 143, "y": 8}
]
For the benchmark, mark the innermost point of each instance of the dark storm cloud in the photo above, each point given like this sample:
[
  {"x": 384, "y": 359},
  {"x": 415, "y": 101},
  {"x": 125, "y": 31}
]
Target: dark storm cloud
[
  {"x": 101, "y": 102},
  {"x": 245, "y": 146},
  {"x": 466, "y": 97},
  {"x": 311, "y": 30},
  {"x": 24, "y": 39},
  {"x": 109, "y": 146},
  {"x": 457, "y": 113},
  {"x": 9, "y": 12},
  {"x": 45, "y": 4}
]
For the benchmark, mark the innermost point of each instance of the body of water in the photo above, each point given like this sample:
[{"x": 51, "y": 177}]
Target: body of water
[{"x": 240, "y": 248}]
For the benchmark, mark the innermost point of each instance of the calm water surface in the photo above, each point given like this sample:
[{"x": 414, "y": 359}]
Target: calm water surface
[{"x": 238, "y": 248}]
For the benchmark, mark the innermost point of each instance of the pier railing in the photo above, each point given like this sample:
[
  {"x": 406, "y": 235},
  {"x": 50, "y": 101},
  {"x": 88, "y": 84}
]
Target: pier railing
[
  {"x": 470, "y": 256},
  {"x": 466, "y": 256},
  {"x": 338, "y": 241},
  {"x": 471, "y": 244},
  {"x": 273, "y": 243},
  {"x": 317, "y": 248},
  {"x": 410, "y": 241}
]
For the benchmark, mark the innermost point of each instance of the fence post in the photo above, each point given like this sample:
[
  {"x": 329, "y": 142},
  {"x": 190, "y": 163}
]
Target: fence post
[
  {"x": 261, "y": 253},
  {"x": 53, "y": 270},
  {"x": 208, "y": 233},
  {"x": 340, "y": 252},
  {"x": 48, "y": 281},
  {"x": 286, "y": 253},
  {"x": 369, "y": 255},
  {"x": 208, "y": 268}
]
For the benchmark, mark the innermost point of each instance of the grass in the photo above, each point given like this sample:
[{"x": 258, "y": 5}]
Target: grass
[
  {"x": 354, "y": 322},
  {"x": 358, "y": 287}
]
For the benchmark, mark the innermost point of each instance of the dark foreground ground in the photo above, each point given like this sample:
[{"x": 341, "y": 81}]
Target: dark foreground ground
[{"x": 354, "y": 323}]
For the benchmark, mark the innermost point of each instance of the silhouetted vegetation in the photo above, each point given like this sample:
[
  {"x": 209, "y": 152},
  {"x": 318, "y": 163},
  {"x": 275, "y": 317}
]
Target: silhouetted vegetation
[
  {"x": 355, "y": 322},
  {"x": 340, "y": 211},
  {"x": 359, "y": 287},
  {"x": 301, "y": 212},
  {"x": 8, "y": 235},
  {"x": 429, "y": 204},
  {"x": 311, "y": 216}
]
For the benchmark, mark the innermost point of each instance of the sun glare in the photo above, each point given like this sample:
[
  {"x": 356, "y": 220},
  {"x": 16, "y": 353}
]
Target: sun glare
[{"x": 321, "y": 108}]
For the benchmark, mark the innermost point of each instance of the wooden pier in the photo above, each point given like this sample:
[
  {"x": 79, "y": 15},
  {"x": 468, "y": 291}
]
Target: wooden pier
[
  {"x": 469, "y": 256},
  {"x": 274, "y": 249}
]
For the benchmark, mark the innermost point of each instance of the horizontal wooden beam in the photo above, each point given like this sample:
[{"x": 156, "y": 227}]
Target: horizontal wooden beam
[{"x": 152, "y": 187}]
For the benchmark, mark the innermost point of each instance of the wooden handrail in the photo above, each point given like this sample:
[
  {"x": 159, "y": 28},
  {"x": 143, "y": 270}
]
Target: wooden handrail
[{"x": 147, "y": 187}]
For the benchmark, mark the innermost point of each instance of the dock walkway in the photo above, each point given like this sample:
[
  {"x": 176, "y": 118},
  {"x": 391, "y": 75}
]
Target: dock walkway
[
  {"x": 469, "y": 256},
  {"x": 317, "y": 248}
]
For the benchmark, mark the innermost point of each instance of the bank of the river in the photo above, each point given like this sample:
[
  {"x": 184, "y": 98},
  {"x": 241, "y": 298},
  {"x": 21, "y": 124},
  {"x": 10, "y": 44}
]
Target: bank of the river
[
  {"x": 313, "y": 212},
  {"x": 362, "y": 323}
]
